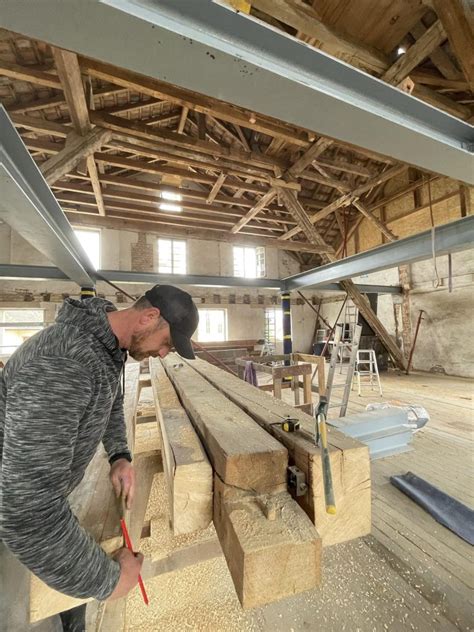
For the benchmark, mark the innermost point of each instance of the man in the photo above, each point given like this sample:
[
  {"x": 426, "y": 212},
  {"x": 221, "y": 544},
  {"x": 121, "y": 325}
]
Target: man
[{"x": 60, "y": 396}]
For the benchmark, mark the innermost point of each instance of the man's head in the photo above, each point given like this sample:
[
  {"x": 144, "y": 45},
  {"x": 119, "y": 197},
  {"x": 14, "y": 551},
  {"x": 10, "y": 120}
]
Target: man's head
[{"x": 164, "y": 317}]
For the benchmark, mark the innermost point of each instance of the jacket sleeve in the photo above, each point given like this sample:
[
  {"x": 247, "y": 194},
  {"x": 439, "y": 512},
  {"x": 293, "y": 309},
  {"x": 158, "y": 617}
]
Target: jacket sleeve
[
  {"x": 115, "y": 436},
  {"x": 44, "y": 405}
]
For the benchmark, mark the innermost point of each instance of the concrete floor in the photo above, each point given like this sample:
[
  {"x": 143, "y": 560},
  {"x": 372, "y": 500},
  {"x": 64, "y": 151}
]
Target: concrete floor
[{"x": 409, "y": 574}]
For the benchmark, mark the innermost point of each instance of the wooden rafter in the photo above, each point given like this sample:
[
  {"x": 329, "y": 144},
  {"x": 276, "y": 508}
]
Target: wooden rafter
[
  {"x": 456, "y": 17},
  {"x": 260, "y": 205},
  {"x": 191, "y": 100},
  {"x": 69, "y": 74},
  {"x": 350, "y": 198},
  {"x": 421, "y": 49},
  {"x": 216, "y": 188},
  {"x": 304, "y": 18},
  {"x": 135, "y": 223}
]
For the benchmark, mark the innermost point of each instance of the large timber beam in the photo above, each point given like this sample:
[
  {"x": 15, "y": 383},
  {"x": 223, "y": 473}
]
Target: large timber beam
[
  {"x": 210, "y": 49},
  {"x": 69, "y": 73},
  {"x": 458, "y": 235},
  {"x": 29, "y": 207}
]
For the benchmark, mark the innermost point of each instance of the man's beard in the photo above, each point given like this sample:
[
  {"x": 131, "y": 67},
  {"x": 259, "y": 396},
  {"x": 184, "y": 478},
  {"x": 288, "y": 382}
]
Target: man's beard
[{"x": 135, "y": 348}]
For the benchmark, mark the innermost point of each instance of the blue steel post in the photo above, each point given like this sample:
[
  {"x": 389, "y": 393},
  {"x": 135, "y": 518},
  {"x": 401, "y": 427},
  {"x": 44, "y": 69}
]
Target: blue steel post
[{"x": 287, "y": 341}]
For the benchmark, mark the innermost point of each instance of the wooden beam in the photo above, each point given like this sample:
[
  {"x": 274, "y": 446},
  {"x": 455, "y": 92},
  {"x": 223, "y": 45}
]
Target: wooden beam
[
  {"x": 304, "y": 18},
  {"x": 272, "y": 549},
  {"x": 77, "y": 147},
  {"x": 430, "y": 79},
  {"x": 242, "y": 454},
  {"x": 439, "y": 56},
  {"x": 50, "y": 102},
  {"x": 192, "y": 232},
  {"x": 32, "y": 75},
  {"x": 216, "y": 188},
  {"x": 114, "y": 200},
  {"x": 309, "y": 156},
  {"x": 140, "y": 130},
  {"x": 193, "y": 101},
  {"x": 261, "y": 204},
  {"x": 349, "y": 458},
  {"x": 182, "y": 119},
  {"x": 457, "y": 19},
  {"x": 69, "y": 73},
  {"x": 465, "y": 200},
  {"x": 40, "y": 125},
  {"x": 187, "y": 468},
  {"x": 419, "y": 51},
  {"x": 350, "y": 198},
  {"x": 443, "y": 102},
  {"x": 362, "y": 304}
]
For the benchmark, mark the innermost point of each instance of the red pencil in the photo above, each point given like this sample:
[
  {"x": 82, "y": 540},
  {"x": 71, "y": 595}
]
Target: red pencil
[{"x": 129, "y": 546}]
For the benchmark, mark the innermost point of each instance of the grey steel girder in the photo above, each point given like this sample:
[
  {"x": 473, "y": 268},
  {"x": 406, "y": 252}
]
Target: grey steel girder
[{"x": 216, "y": 51}]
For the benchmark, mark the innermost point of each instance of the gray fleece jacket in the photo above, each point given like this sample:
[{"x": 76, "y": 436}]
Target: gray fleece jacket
[{"x": 60, "y": 396}]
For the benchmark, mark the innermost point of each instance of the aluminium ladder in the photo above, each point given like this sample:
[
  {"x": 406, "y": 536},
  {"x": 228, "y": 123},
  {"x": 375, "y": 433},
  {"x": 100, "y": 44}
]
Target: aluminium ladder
[{"x": 347, "y": 384}]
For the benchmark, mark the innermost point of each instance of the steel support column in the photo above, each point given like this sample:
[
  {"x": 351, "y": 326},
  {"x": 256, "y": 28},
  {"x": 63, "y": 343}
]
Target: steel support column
[
  {"x": 286, "y": 309},
  {"x": 208, "y": 48}
]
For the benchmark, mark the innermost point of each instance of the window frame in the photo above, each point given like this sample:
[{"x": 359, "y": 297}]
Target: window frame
[
  {"x": 259, "y": 271},
  {"x": 172, "y": 242},
  {"x": 225, "y": 323},
  {"x": 98, "y": 231}
]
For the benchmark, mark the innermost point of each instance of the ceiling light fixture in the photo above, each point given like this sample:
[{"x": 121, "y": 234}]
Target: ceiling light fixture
[
  {"x": 401, "y": 50},
  {"x": 169, "y": 195},
  {"x": 172, "y": 208}
]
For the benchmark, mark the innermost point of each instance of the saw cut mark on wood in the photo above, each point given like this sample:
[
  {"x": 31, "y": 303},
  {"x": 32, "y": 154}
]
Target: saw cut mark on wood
[
  {"x": 187, "y": 468},
  {"x": 350, "y": 462},
  {"x": 242, "y": 454}
]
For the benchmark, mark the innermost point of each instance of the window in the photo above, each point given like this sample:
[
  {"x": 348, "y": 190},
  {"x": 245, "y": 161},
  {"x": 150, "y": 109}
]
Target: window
[
  {"x": 16, "y": 326},
  {"x": 273, "y": 324},
  {"x": 171, "y": 256},
  {"x": 249, "y": 262},
  {"x": 90, "y": 241},
  {"x": 212, "y": 325}
]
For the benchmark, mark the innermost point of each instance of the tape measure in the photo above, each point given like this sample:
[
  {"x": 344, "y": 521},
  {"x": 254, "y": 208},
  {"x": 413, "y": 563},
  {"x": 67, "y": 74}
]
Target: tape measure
[{"x": 288, "y": 424}]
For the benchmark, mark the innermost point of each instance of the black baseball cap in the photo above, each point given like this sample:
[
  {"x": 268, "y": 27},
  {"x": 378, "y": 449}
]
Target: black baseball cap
[{"x": 178, "y": 309}]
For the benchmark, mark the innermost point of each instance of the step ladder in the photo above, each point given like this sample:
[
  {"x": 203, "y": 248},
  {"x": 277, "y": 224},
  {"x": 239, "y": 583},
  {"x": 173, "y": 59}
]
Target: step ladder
[
  {"x": 338, "y": 345},
  {"x": 367, "y": 358}
]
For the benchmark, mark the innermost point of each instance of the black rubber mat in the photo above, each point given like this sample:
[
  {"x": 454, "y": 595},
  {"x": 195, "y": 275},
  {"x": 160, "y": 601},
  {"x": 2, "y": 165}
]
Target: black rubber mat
[{"x": 445, "y": 509}]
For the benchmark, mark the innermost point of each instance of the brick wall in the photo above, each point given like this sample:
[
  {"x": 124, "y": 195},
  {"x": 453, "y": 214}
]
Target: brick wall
[{"x": 142, "y": 255}]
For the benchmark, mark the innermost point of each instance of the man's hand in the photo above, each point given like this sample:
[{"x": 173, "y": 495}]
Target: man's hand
[
  {"x": 122, "y": 476},
  {"x": 130, "y": 566}
]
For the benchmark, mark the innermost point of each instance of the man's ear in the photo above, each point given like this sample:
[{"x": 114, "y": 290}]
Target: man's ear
[{"x": 149, "y": 316}]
